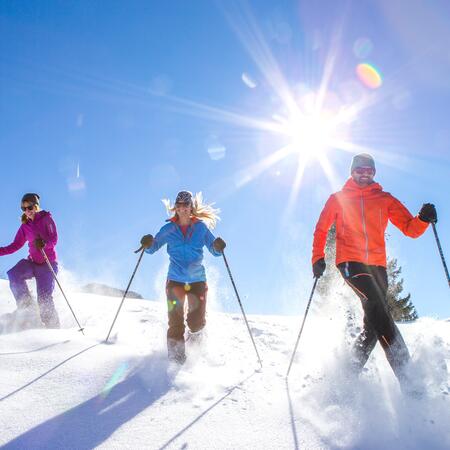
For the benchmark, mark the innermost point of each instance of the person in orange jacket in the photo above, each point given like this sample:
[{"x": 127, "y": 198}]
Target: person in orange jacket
[{"x": 361, "y": 211}]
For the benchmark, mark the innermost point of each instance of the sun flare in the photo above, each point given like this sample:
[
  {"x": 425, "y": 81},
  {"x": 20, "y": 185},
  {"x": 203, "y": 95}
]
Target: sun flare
[{"x": 309, "y": 135}]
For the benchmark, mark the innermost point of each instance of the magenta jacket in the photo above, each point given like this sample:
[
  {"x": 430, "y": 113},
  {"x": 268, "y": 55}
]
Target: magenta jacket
[{"x": 41, "y": 227}]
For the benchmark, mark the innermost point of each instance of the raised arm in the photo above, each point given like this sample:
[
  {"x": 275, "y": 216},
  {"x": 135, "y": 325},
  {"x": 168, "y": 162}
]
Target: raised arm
[
  {"x": 159, "y": 240},
  {"x": 17, "y": 244},
  {"x": 209, "y": 242},
  {"x": 408, "y": 224}
]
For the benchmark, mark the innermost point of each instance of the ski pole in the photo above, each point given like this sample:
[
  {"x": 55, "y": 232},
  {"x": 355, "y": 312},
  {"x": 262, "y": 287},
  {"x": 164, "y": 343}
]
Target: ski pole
[
  {"x": 433, "y": 224},
  {"x": 303, "y": 323},
  {"x": 61, "y": 289},
  {"x": 126, "y": 292},
  {"x": 242, "y": 308}
]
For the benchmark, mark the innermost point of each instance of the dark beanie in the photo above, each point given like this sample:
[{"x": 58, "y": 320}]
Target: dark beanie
[
  {"x": 362, "y": 160},
  {"x": 184, "y": 197},
  {"x": 31, "y": 198}
]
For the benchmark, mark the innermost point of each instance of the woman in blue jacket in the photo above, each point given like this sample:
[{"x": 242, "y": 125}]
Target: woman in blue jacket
[{"x": 185, "y": 235}]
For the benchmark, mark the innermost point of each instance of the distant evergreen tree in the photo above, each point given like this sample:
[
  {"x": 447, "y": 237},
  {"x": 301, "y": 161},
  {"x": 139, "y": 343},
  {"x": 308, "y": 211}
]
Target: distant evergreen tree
[{"x": 401, "y": 308}]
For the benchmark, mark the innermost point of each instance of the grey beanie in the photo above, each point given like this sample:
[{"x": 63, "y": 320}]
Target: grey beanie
[
  {"x": 31, "y": 198},
  {"x": 362, "y": 160}
]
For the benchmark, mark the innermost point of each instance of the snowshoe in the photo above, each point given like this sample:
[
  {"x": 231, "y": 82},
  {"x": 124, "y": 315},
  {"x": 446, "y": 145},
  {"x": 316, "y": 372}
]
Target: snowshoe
[
  {"x": 6, "y": 321},
  {"x": 176, "y": 351},
  {"x": 52, "y": 323},
  {"x": 195, "y": 338},
  {"x": 19, "y": 320}
]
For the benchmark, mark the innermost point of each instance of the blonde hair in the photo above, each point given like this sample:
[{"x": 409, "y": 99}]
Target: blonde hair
[
  {"x": 203, "y": 211},
  {"x": 24, "y": 217}
]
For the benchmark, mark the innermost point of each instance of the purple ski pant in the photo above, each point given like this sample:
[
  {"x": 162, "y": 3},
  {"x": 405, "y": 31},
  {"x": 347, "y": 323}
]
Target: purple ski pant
[{"x": 26, "y": 269}]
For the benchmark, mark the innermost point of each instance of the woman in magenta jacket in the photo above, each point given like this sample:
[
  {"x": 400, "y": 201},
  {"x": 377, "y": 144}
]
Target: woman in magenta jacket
[{"x": 39, "y": 230}]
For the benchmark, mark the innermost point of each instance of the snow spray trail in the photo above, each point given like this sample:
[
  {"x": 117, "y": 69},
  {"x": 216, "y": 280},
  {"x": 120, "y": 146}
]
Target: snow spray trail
[{"x": 368, "y": 411}]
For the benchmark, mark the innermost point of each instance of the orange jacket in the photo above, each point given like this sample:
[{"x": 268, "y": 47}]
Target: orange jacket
[{"x": 361, "y": 216}]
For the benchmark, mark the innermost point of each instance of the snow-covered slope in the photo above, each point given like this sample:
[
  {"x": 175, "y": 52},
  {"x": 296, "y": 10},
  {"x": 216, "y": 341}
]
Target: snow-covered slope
[{"x": 61, "y": 390}]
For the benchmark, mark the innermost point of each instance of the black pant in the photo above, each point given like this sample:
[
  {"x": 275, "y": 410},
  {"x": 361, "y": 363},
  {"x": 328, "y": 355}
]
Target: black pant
[{"x": 370, "y": 284}]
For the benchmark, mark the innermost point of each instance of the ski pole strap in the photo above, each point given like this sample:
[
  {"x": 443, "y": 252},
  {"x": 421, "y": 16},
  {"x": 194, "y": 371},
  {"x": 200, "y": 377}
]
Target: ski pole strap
[
  {"x": 242, "y": 308},
  {"x": 125, "y": 294},
  {"x": 441, "y": 253}
]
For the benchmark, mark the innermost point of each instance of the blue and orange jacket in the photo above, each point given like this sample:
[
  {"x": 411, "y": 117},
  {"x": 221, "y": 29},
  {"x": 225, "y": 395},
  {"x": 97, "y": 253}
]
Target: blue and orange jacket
[
  {"x": 185, "y": 251},
  {"x": 361, "y": 215}
]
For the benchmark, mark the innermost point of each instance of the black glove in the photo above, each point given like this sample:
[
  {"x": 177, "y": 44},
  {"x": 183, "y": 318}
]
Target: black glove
[
  {"x": 319, "y": 268},
  {"x": 428, "y": 213},
  {"x": 39, "y": 243},
  {"x": 219, "y": 244},
  {"x": 146, "y": 241}
]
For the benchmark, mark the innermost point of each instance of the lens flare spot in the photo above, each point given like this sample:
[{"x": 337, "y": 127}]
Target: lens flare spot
[
  {"x": 171, "y": 305},
  {"x": 369, "y": 75},
  {"x": 217, "y": 152},
  {"x": 248, "y": 80},
  {"x": 116, "y": 377}
]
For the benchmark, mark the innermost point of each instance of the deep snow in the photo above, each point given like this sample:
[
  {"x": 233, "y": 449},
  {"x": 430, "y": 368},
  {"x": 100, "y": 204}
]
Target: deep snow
[{"x": 60, "y": 389}]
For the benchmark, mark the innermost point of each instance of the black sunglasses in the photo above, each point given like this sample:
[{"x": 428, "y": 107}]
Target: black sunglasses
[
  {"x": 30, "y": 208},
  {"x": 363, "y": 170}
]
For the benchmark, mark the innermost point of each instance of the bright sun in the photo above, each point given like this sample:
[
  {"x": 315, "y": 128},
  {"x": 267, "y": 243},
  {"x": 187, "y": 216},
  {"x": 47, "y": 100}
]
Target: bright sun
[{"x": 309, "y": 135}]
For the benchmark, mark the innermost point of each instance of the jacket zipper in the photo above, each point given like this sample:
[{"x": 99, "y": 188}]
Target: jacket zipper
[
  {"x": 189, "y": 232},
  {"x": 184, "y": 240},
  {"x": 364, "y": 228}
]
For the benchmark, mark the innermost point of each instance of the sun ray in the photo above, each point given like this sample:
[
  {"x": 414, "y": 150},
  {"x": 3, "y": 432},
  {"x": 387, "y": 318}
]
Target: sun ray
[
  {"x": 329, "y": 172},
  {"x": 304, "y": 126},
  {"x": 243, "y": 23},
  {"x": 329, "y": 66},
  {"x": 301, "y": 165},
  {"x": 249, "y": 173}
]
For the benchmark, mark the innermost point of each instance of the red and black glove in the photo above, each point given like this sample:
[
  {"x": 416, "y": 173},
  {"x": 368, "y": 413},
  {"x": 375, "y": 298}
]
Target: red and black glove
[{"x": 428, "y": 213}]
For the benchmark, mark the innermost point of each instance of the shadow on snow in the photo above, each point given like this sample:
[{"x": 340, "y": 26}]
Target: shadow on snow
[{"x": 92, "y": 422}]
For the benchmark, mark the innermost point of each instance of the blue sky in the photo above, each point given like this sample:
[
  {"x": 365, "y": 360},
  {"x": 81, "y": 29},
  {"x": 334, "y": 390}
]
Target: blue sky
[{"x": 107, "y": 109}]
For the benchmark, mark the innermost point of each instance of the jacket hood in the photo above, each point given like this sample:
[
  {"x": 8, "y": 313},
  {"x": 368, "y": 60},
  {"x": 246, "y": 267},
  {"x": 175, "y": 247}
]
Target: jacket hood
[
  {"x": 39, "y": 216},
  {"x": 174, "y": 219},
  {"x": 351, "y": 187}
]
